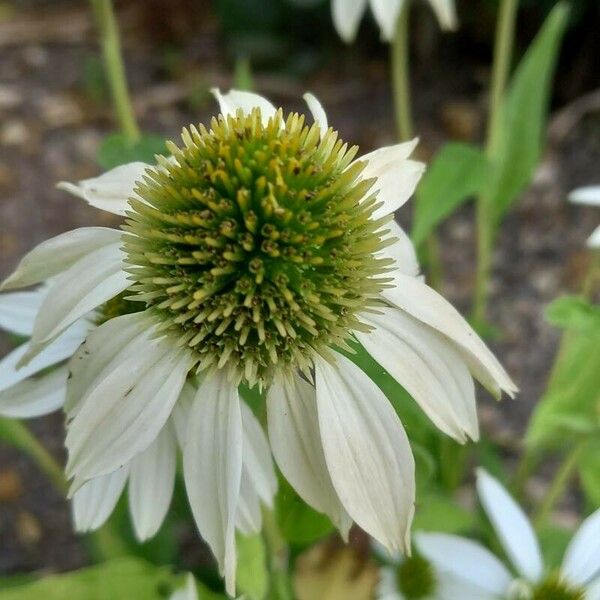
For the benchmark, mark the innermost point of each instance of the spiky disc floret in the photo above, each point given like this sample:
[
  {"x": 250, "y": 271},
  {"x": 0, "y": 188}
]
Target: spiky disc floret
[{"x": 255, "y": 243}]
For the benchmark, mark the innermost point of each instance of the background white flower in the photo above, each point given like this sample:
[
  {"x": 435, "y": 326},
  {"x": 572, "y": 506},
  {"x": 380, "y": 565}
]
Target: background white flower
[
  {"x": 188, "y": 592},
  {"x": 348, "y": 13},
  {"x": 485, "y": 574},
  {"x": 588, "y": 195}
]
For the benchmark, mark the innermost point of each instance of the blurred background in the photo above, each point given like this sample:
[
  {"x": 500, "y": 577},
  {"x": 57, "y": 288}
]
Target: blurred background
[{"x": 55, "y": 112}]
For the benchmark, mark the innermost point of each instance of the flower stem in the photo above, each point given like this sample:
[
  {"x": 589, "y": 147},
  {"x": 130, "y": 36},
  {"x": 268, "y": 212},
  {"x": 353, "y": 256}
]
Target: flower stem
[
  {"x": 115, "y": 71},
  {"x": 559, "y": 483},
  {"x": 277, "y": 557},
  {"x": 486, "y": 224}
]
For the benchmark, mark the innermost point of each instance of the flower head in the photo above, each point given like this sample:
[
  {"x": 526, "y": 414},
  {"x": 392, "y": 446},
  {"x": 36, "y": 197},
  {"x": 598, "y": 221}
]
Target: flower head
[
  {"x": 486, "y": 577},
  {"x": 347, "y": 15},
  {"x": 255, "y": 252},
  {"x": 588, "y": 195}
]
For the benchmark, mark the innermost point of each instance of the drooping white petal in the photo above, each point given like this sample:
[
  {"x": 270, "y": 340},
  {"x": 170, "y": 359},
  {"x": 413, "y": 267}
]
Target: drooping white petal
[
  {"x": 59, "y": 253},
  {"x": 128, "y": 404},
  {"x": 594, "y": 240},
  {"x": 402, "y": 251},
  {"x": 35, "y": 397},
  {"x": 346, "y": 16},
  {"x": 248, "y": 516},
  {"x": 296, "y": 443},
  {"x": 367, "y": 452},
  {"x": 181, "y": 411},
  {"x": 512, "y": 526},
  {"x": 189, "y": 592},
  {"x": 212, "y": 468},
  {"x": 386, "y": 14},
  {"x": 593, "y": 591},
  {"x": 426, "y": 305},
  {"x": 91, "y": 281},
  {"x": 151, "y": 481},
  {"x": 451, "y": 588},
  {"x": 465, "y": 560},
  {"x": 61, "y": 349},
  {"x": 428, "y": 367},
  {"x": 317, "y": 111},
  {"x": 582, "y": 559},
  {"x": 19, "y": 309},
  {"x": 257, "y": 460},
  {"x": 235, "y": 100},
  {"x": 396, "y": 175},
  {"x": 445, "y": 11},
  {"x": 586, "y": 195},
  {"x": 111, "y": 190},
  {"x": 95, "y": 500}
]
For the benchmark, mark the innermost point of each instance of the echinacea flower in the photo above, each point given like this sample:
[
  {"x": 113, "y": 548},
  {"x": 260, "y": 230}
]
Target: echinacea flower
[
  {"x": 255, "y": 253},
  {"x": 348, "y": 13},
  {"x": 488, "y": 579},
  {"x": 589, "y": 195}
]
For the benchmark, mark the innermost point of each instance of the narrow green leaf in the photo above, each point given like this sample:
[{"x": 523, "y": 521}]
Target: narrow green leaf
[
  {"x": 117, "y": 150},
  {"x": 458, "y": 172},
  {"x": 521, "y": 138},
  {"x": 589, "y": 472},
  {"x": 574, "y": 312},
  {"x": 252, "y": 576}
]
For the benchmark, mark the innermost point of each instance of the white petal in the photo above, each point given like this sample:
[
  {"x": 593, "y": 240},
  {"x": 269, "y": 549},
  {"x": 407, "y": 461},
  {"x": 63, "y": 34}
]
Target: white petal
[
  {"x": 128, "y": 403},
  {"x": 425, "y": 304},
  {"x": 512, "y": 526},
  {"x": 445, "y": 12},
  {"x": 346, "y": 17},
  {"x": 91, "y": 281},
  {"x": 110, "y": 191},
  {"x": 189, "y": 592},
  {"x": 257, "y": 457},
  {"x": 402, "y": 251},
  {"x": 317, "y": 111},
  {"x": 212, "y": 467},
  {"x": 35, "y": 397},
  {"x": 235, "y": 100},
  {"x": 18, "y": 310},
  {"x": 386, "y": 14},
  {"x": 594, "y": 240},
  {"x": 296, "y": 444},
  {"x": 451, "y": 588},
  {"x": 61, "y": 349},
  {"x": 582, "y": 559},
  {"x": 465, "y": 560},
  {"x": 367, "y": 452},
  {"x": 151, "y": 481},
  {"x": 586, "y": 195},
  {"x": 94, "y": 502},
  {"x": 396, "y": 176},
  {"x": 181, "y": 411},
  {"x": 387, "y": 587},
  {"x": 57, "y": 254},
  {"x": 593, "y": 591},
  {"x": 248, "y": 517},
  {"x": 428, "y": 367}
]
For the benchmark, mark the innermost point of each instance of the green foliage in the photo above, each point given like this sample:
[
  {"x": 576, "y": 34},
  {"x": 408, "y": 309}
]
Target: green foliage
[
  {"x": 298, "y": 522},
  {"x": 517, "y": 149},
  {"x": 589, "y": 473},
  {"x": 117, "y": 150},
  {"x": 574, "y": 312},
  {"x": 458, "y": 172},
  {"x": 437, "y": 512},
  {"x": 554, "y": 541},
  {"x": 252, "y": 575},
  {"x": 121, "y": 578}
]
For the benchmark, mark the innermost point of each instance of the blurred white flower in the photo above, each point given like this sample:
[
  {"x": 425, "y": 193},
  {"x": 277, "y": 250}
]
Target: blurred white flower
[
  {"x": 251, "y": 260},
  {"x": 488, "y": 579},
  {"x": 189, "y": 592},
  {"x": 588, "y": 195},
  {"x": 348, "y": 13}
]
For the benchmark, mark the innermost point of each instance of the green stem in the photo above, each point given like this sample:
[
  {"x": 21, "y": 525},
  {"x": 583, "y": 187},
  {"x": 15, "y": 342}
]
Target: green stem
[
  {"x": 278, "y": 558},
  {"x": 115, "y": 71},
  {"x": 559, "y": 483},
  {"x": 401, "y": 76},
  {"x": 486, "y": 225}
]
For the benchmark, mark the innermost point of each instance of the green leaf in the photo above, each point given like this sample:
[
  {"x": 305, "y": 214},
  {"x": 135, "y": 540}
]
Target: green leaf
[
  {"x": 122, "y": 578},
  {"x": 458, "y": 172},
  {"x": 574, "y": 312},
  {"x": 298, "y": 522},
  {"x": 589, "y": 472},
  {"x": 117, "y": 150},
  {"x": 554, "y": 541},
  {"x": 252, "y": 576},
  {"x": 517, "y": 150},
  {"x": 435, "y": 512}
]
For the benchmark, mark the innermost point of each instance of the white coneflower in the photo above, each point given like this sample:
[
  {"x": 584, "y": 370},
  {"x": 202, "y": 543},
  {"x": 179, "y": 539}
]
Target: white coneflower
[
  {"x": 256, "y": 251},
  {"x": 588, "y": 195},
  {"x": 488, "y": 579},
  {"x": 348, "y": 13}
]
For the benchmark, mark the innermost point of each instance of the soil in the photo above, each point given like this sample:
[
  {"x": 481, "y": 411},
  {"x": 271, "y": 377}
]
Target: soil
[{"x": 50, "y": 129}]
